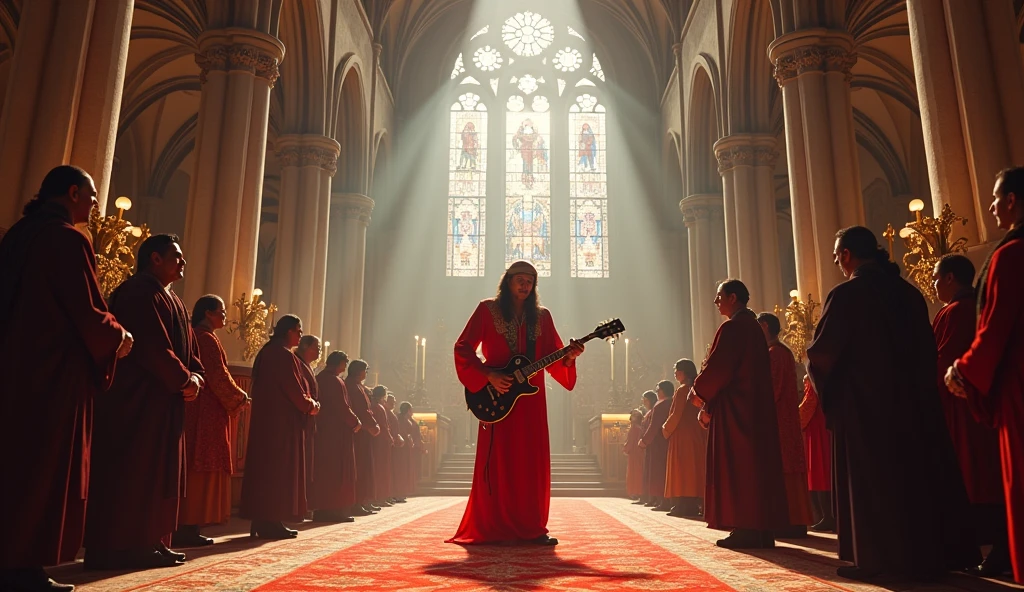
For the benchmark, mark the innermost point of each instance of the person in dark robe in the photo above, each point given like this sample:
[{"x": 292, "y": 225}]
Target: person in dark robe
[
  {"x": 208, "y": 432},
  {"x": 990, "y": 375},
  {"x": 745, "y": 490},
  {"x": 309, "y": 351},
  {"x": 511, "y": 492},
  {"x": 654, "y": 440},
  {"x": 791, "y": 438},
  {"x": 413, "y": 439},
  {"x": 648, "y": 399},
  {"x": 274, "y": 484},
  {"x": 635, "y": 457},
  {"x": 900, "y": 502},
  {"x": 139, "y": 464},
  {"x": 687, "y": 448},
  {"x": 49, "y": 268},
  {"x": 359, "y": 399},
  {"x": 818, "y": 447},
  {"x": 382, "y": 444},
  {"x": 399, "y": 454},
  {"x": 334, "y": 470},
  {"x": 976, "y": 444}
]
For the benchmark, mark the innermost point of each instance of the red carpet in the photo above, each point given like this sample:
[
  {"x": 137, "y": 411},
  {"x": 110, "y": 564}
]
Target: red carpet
[{"x": 597, "y": 553}]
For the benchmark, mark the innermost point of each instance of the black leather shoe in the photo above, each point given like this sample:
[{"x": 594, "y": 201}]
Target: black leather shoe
[
  {"x": 163, "y": 550},
  {"x": 373, "y": 507},
  {"x": 361, "y": 511},
  {"x": 545, "y": 540},
  {"x": 274, "y": 531},
  {"x": 132, "y": 559},
  {"x": 825, "y": 525},
  {"x": 743, "y": 539},
  {"x": 996, "y": 564},
  {"x": 852, "y": 572},
  {"x": 30, "y": 580},
  {"x": 400, "y": 500},
  {"x": 188, "y": 536},
  {"x": 331, "y": 516}
]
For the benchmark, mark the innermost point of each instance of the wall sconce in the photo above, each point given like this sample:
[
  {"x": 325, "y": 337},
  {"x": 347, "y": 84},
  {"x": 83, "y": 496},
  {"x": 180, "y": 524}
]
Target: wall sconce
[
  {"x": 798, "y": 322},
  {"x": 115, "y": 242},
  {"x": 252, "y": 326},
  {"x": 927, "y": 240}
]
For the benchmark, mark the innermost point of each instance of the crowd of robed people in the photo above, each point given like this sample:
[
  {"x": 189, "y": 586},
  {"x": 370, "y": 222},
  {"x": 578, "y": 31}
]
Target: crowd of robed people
[
  {"x": 907, "y": 441},
  {"x": 116, "y": 415}
]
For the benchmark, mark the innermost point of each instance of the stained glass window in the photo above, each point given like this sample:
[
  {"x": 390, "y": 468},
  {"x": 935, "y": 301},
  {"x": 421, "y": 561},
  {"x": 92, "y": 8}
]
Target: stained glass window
[
  {"x": 527, "y": 33},
  {"x": 568, "y": 59},
  {"x": 487, "y": 59},
  {"x": 528, "y": 188},
  {"x": 459, "y": 67},
  {"x": 588, "y": 189},
  {"x": 467, "y": 187}
]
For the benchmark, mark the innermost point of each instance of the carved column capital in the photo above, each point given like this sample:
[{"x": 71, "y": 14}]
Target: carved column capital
[
  {"x": 352, "y": 206},
  {"x": 745, "y": 150},
  {"x": 700, "y": 207},
  {"x": 812, "y": 50},
  {"x": 244, "y": 50},
  {"x": 303, "y": 150}
]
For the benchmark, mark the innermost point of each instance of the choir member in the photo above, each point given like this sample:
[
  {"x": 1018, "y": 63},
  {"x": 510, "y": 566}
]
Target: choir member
[
  {"x": 359, "y": 399},
  {"x": 991, "y": 373},
  {"x": 382, "y": 444},
  {"x": 687, "y": 447},
  {"x": 654, "y": 440},
  {"x": 138, "y": 466},
  {"x": 745, "y": 490},
  {"x": 648, "y": 399},
  {"x": 274, "y": 485},
  {"x": 976, "y": 445},
  {"x": 787, "y": 412},
  {"x": 399, "y": 454},
  {"x": 413, "y": 439},
  {"x": 333, "y": 490},
  {"x": 635, "y": 457},
  {"x": 49, "y": 268},
  {"x": 309, "y": 351},
  {"x": 899, "y": 498},
  {"x": 511, "y": 492},
  {"x": 207, "y": 431},
  {"x": 818, "y": 447}
]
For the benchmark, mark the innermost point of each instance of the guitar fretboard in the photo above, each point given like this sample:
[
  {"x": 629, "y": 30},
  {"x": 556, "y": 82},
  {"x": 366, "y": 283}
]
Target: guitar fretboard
[{"x": 546, "y": 361}]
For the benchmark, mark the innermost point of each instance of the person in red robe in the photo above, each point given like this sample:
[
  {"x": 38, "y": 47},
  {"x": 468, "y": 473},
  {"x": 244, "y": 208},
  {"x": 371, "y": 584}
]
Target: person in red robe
[
  {"x": 207, "y": 431},
  {"x": 309, "y": 351},
  {"x": 49, "y": 268},
  {"x": 687, "y": 448},
  {"x": 138, "y": 465},
  {"x": 787, "y": 411},
  {"x": 274, "y": 484},
  {"x": 414, "y": 440},
  {"x": 511, "y": 491},
  {"x": 745, "y": 490},
  {"x": 359, "y": 399},
  {"x": 990, "y": 375},
  {"x": 635, "y": 457},
  {"x": 976, "y": 444},
  {"x": 334, "y": 469},
  {"x": 818, "y": 446},
  {"x": 383, "y": 442},
  {"x": 653, "y": 442},
  {"x": 399, "y": 454},
  {"x": 899, "y": 499},
  {"x": 648, "y": 399}
]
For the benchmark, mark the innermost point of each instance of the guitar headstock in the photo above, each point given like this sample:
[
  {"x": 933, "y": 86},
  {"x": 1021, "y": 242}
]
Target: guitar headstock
[{"x": 609, "y": 329}]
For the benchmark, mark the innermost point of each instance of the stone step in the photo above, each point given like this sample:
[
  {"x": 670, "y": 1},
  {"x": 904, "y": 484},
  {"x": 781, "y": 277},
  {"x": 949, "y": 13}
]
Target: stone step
[
  {"x": 554, "y": 468},
  {"x": 468, "y": 477},
  {"x": 562, "y": 490},
  {"x": 554, "y": 457}
]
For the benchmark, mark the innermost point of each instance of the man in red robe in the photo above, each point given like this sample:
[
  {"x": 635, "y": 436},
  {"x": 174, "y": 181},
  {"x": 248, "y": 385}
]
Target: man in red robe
[
  {"x": 309, "y": 351},
  {"x": 648, "y": 400},
  {"x": 382, "y": 444},
  {"x": 976, "y": 445},
  {"x": 138, "y": 469},
  {"x": 654, "y": 442},
  {"x": 818, "y": 446},
  {"x": 900, "y": 501},
  {"x": 359, "y": 400},
  {"x": 511, "y": 491},
  {"x": 991, "y": 374},
  {"x": 414, "y": 440},
  {"x": 745, "y": 491},
  {"x": 54, "y": 361},
  {"x": 787, "y": 411},
  {"x": 399, "y": 454},
  {"x": 334, "y": 470}
]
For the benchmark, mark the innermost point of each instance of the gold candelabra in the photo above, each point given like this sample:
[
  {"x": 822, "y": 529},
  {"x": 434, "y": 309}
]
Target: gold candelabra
[
  {"x": 252, "y": 326},
  {"x": 799, "y": 319},
  {"x": 927, "y": 239},
  {"x": 115, "y": 242}
]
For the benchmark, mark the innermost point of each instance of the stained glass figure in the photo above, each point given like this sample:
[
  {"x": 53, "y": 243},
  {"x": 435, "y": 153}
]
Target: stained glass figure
[
  {"x": 527, "y": 33},
  {"x": 588, "y": 247},
  {"x": 528, "y": 189},
  {"x": 588, "y": 189},
  {"x": 467, "y": 187},
  {"x": 528, "y": 231}
]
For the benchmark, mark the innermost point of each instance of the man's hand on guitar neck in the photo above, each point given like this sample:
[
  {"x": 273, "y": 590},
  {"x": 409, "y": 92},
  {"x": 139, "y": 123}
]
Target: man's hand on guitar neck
[{"x": 500, "y": 381}]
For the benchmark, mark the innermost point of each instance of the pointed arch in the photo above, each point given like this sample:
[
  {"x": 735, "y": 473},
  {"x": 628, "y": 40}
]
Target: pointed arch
[
  {"x": 749, "y": 71},
  {"x": 705, "y": 126},
  {"x": 304, "y": 69},
  {"x": 350, "y": 128}
]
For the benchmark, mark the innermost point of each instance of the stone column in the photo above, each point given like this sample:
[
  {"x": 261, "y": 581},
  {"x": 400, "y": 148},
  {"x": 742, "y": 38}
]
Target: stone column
[
  {"x": 239, "y": 67},
  {"x": 703, "y": 216},
  {"x": 967, "y": 64},
  {"x": 308, "y": 162},
  {"x": 346, "y": 258},
  {"x": 63, "y": 95},
  {"x": 747, "y": 164},
  {"x": 812, "y": 67}
]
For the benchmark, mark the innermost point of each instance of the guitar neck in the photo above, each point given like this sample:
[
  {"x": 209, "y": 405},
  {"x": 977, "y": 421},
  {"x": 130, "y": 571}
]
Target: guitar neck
[{"x": 546, "y": 361}]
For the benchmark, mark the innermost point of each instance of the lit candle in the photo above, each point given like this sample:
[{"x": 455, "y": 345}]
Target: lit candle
[
  {"x": 376, "y": 378},
  {"x": 416, "y": 360},
  {"x": 627, "y": 363},
  {"x": 916, "y": 205},
  {"x": 611, "y": 343},
  {"x": 423, "y": 366}
]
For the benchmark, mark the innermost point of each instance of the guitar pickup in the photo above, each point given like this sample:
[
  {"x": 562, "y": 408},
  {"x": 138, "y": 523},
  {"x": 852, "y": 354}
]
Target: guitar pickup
[{"x": 519, "y": 376}]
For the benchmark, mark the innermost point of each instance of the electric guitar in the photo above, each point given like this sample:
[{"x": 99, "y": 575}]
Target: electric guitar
[{"x": 490, "y": 406}]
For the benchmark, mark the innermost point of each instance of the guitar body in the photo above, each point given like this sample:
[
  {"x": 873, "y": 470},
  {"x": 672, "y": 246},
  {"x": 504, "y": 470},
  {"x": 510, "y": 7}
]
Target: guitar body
[{"x": 490, "y": 406}]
